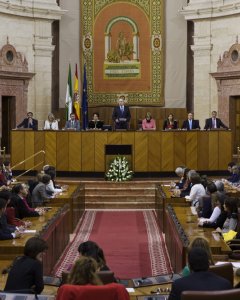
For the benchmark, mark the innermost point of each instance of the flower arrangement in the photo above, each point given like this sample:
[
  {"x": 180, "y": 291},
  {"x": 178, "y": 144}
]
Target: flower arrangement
[{"x": 119, "y": 170}]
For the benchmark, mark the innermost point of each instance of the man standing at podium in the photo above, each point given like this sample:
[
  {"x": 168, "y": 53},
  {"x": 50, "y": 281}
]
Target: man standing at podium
[
  {"x": 121, "y": 115},
  {"x": 214, "y": 122},
  {"x": 29, "y": 122}
]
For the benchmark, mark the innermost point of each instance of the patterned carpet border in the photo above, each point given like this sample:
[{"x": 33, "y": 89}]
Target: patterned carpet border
[
  {"x": 157, "y": 249},
  {"x": 71, "y": 254}
]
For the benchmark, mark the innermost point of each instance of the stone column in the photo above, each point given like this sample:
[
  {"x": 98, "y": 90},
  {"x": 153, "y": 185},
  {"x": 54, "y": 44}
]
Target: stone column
[{"x": 43, "y": 49}]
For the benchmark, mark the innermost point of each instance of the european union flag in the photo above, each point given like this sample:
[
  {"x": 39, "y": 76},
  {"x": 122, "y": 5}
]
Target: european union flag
[{"x": 84, "y": 101}]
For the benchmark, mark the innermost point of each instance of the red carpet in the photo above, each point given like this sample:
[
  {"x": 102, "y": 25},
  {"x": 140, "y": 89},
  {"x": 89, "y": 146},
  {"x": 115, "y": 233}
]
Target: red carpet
[{"x": 131, "y": 241}]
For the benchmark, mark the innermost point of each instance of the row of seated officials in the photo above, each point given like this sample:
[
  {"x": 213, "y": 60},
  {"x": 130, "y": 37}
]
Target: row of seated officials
[
  {"x": 83, "y": 281},
  {"x": 122, "y": 122}
]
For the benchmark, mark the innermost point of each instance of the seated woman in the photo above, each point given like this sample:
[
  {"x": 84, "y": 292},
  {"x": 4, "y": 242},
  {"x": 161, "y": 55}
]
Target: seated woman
[
  {"x": 26, "y": 273},
  {"x": 197, "y": 190},
  {"x": 52, "y": 188},
  {"x": 51, "y": 123},
  {"x": 170, "y": 123},
  {"x": 148, "y": 123},
  {"x": 39, "y": 193},
  {"x": 230, "y": 206},
  {"x": 206, "y": 203},
  {"x": 199, "y": 242},
  {"x": 218, "y": 216},
  {"x": 95, "y": 123},
  {"x": 91, "y": 249},
  {"x": 84, "y": 272}
]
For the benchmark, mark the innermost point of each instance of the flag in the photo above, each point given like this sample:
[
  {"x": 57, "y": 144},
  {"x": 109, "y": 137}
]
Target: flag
[
  {"x": 69, "y": 94},
  {"x": 76, "y": 98},
  {"x": 84, "y": 101}
]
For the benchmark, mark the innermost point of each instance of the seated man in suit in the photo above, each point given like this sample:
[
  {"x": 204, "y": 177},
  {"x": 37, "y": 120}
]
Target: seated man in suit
[
  {"x": 29, "y": 122},
  {"x": 190, "y": 123},
  {"x": 121, "y": 115},
  {"x": 72, "y": 123},
  {"x": 95, "y": 123},
  {"x": 200, "y": 279},
  {"x": 214, "y": 122}
]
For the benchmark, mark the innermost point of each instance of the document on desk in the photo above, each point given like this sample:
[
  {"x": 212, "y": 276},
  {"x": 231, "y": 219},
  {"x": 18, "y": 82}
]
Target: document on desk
[
  {"x": 130, "y": 290},
  {"x": 30, "y": 231},
  {"x": 234, "y": 264}
]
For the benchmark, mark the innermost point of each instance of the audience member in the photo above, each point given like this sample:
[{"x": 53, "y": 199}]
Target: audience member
[
  {"x": 235, "y": 177},
  {"x": 95, "y": 123},
  {"x": 29, "y": 122},
  {"x": 230, "y": 165},
  {"x": 73, "y": 123},
  {"x": 200, "y": 279},
  {"x": 26, "y": 273},
  {"x": 203, "y": 243},
  {"x": 197, "y": 189},
  {"x": 51, "y": 123},
  {"x": 5, "y": 174},
  {"x": 7, "y": 232},
  {"x": 190, "y": 123},
  {"x": 180, "y": 173},
  {"x": 121, "y": 115},
  {"x": 19, "y": 201},
  {"x": 52, "y": 188},
  {"x": 84, "y": 272},
  {"x": 214, "y": 122},
  {"x": 187, "y": 184},
  {"x": 91, "y": 249},
  {"x": 230, "y": 206},
  {"x": 170, "y": 123},
  {"x": 39, "y": 193},
  {"x": 206, "y": 203}
]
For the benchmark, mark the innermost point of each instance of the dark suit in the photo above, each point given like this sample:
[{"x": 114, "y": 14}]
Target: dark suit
[
  {"x": 21, "y": 209},
  {"x": 166, "y": 124},
  {"x": 186, "y": 125},
  {"x": 198, "y": 281},
  {"x": 39, "y": 194},
  {"x": 125, "y": 115},
  {"x": 25, "y": 276},
  {"x": 25, "y": 124},
  {"x": 95, "y": 124},
  {"x": 6, "y": 230},
  {"x": 209, "y": 124},
  {"x": 76, "y": 125}
]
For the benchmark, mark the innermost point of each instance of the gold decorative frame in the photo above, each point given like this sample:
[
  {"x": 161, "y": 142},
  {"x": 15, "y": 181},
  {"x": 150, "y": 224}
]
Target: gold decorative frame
[{"x": 154, "y": 10}]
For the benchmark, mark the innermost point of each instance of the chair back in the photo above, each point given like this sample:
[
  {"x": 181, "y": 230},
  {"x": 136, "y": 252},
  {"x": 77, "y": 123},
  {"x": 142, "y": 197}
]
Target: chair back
[
  {"x": 110, "y": 291},
  {"x": 233, "y": 294},
  {"x": 223, "y": 270}
]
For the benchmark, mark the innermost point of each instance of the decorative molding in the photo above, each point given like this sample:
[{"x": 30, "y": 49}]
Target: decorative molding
[
  {"x": 209, "y": 9},
  {"x": 30, "y": 9}
]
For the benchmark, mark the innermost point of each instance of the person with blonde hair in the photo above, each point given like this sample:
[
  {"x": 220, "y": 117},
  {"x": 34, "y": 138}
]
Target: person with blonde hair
[
  {"x": 199, "y": 242},
  {"x": 84, "y": 272},
  {"x": 51, "y": 123},
  {"x": 148, "y": 123}
]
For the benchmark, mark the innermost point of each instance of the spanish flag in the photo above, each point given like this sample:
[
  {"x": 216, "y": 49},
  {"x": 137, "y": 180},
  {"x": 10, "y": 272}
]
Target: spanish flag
[{"x": 76, "y": 98}]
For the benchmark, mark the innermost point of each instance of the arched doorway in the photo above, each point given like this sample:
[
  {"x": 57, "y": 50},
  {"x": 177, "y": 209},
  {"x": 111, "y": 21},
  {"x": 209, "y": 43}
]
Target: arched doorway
[{"x": 14, "y": 80}]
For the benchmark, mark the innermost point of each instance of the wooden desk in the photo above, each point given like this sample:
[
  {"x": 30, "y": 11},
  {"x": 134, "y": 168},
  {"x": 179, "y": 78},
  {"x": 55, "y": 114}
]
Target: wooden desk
[
  {"x": 52, "y": 227},
  {"x": 75, "y": 199},
  {"x": 180, "y": 228},
  {"x": 156, "y": 151},
  {"x": 163, "y": 198}
]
